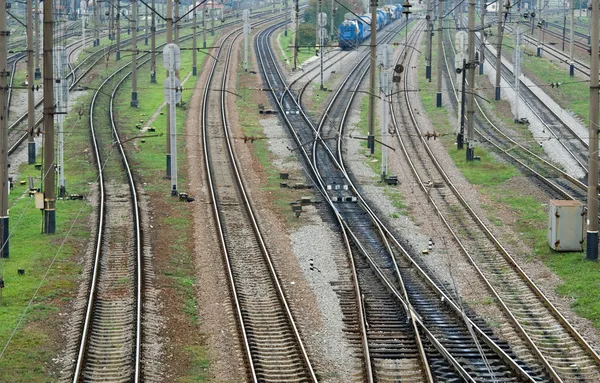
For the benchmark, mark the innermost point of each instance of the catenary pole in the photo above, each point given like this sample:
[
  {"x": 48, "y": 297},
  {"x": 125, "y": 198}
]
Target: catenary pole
[
  {"x": 571, "y": 37},
  {"x": 118, "y": 21},
  {"x": 49, "y": 224},
  {"x": 471, "y": 83},
  {"x": 428, "y": 42},
  {"x": 212, "y": 17},
  {"x": 483, "y": 38},
  {"x": 499, "y": 5},
  {"x": 169, "y": 40},
  {"x": 4, "y": 228},
  {"x": 96, "y": 24},
  {"x": 296, "y": 15},
  {"x": 134, "y": 99},
  {"x": 153, "y": 46},
  {"x": 30, "y": 86},
  {"x": 146, "y": 26},
  {"x": 204, "y": 25},
  {"x": 440, "y": 38},
  {"x": 592, "y": 197},
  {"x": 38, "y": 72},
  {"x": 111, "y": 31},
  {"x": 194, "y": 43},
  {"x": 372, "y": 83}
]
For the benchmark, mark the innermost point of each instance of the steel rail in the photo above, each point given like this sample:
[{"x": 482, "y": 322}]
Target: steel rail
[
  {"x": 358, "y": 296},
  {"x": 233, "y": 36},
  {"x": 100, "y": 235},
  {"x": 445, "y": 298},
  {"x": 443, "y": 352},
  {"x": 513, "y": 263},
  {"x": 529, "y": 281}
]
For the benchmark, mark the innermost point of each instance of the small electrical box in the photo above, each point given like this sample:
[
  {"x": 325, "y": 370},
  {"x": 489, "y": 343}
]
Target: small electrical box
[
  {"x": 566, "y": 221},
  {"x": 39, "y": 200}
]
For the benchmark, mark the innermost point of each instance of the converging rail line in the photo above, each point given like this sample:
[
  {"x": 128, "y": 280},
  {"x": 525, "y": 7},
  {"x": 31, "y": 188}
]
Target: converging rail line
[{"x": 565, "y": 355}]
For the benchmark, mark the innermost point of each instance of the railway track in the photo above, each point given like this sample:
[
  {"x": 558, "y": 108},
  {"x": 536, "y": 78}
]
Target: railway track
[
  {"x": 272, "y": 343},
  {"x": 111, "y": 336},
  {"x": 565, "y": 355},
  {"x": 362, "y": 238},
  {"x": 109, "y": 345}
]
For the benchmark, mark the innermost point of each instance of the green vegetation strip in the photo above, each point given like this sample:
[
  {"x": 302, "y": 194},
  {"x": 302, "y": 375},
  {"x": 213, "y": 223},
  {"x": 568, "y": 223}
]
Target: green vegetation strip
[
  {"x": 146, "y": 151},
  {"x": 494, "y": 180}
]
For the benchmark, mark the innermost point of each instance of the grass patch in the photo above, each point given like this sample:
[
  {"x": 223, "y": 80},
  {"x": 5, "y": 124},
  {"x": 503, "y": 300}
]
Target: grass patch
[
  {"x": 287, "y": 45},
  {"x": 37, "y": 339}
]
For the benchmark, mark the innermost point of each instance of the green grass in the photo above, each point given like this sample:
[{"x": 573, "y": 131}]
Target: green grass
[
  {"x": 28, "y": 357},
  {"x": 580, "y": 277},
  {"x": 287, "y": 44}
]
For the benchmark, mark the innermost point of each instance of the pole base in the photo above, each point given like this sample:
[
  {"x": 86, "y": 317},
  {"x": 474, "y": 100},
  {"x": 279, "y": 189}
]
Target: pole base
[
  {"x": 153, "y": 78},
  {"x": 497, "y": 93},
  {"x": 31, "y": 153},
  {"x": 204, "y": 44},
  {"x": 194, "y": 71},
  {"x": 539, "y": 52},
  {"x": 428, "y": 73},
  {"x": 438, "y": 100},
  {"x": 460, "y": 141},
  {"x": 49, "y": 221},
  {"x": 118, "y": 55},
  {"x": 371, "y": 143},
  {"x": 591, "y": 252},
  {"x": 572, "y": 70},
  {"x": 4, "y": 237},
  {"x": 174, "y": 192},
  {"x": 145, "y": 41},
  {"x": 38, "y": 74},
  {"x": 481, "y": 68},
  {"x": 470, "y": 153},
  {"x": 134, "y": 101},
  {"x": 62, "y": 191},
  {"x": 169, "y": 166}
]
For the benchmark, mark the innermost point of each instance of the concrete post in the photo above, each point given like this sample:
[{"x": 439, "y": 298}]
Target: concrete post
[
  {"x": 592, "y": 197},
  {"x": 30, "y": 86},
  {"x": 4, "y": 186},
  {"x": 49, "y": 175},
  {"x": 471, "y": 79},
  {"x": 134, "y": 99}
]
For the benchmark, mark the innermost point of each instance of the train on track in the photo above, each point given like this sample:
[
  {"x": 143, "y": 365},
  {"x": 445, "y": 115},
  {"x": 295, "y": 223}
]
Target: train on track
[{"x": 356, "y": 29}]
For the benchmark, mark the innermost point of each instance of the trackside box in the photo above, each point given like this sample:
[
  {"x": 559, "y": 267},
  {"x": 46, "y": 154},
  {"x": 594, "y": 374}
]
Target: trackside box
[{"x": 566, "y": 221}]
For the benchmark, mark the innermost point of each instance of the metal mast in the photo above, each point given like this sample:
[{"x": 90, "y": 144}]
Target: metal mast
[
  {"x": 499, "y": 4},
  {"x": 49, "y": 225},
  {"x": 438, "y": 101},
  {"x": 118, "y": 30},
  {"x": 153, "y": 46},
  {"x": 4, "y": 232},
  {"x": 592, "y": 197},
  {"x": 372, "y": 83},
  {"x": 134, "y": 100},
  {"x": 30, "y": 85},
  {"x": 194, "y": 44},
  {"x": 471, "y": 79},
  {"x": 169, "y": 40}
]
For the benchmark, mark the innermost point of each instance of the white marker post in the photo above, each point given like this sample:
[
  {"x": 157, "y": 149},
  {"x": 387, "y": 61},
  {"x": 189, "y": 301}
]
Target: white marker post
[{"x": 172, "y": 88}]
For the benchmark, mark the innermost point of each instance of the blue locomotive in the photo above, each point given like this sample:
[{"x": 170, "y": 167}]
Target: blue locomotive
[{"x": 356, "y": 29}]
